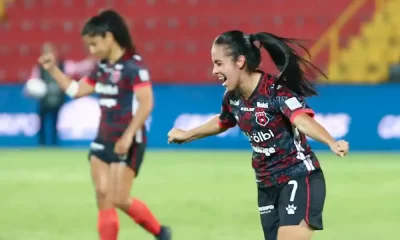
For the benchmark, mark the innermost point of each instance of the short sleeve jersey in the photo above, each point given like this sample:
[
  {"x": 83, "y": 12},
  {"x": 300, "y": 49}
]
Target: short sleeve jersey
[
  {"x": 280, "y": 151},
  {"x": 116, "y": 85}
]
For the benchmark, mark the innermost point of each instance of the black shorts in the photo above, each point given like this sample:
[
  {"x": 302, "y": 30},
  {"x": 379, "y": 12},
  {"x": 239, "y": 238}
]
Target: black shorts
[
  {"x": 286, "y": 205},
  {"x": 105, "y": 152}
]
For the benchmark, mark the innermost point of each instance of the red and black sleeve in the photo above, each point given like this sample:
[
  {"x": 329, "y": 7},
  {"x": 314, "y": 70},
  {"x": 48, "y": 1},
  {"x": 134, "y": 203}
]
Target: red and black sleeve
[
  {"x": 91, "y": 79},
  {"x": 141, "y": 78},
  {"x": 291, "y": 104},
  {"x": 226, "y": 118}
]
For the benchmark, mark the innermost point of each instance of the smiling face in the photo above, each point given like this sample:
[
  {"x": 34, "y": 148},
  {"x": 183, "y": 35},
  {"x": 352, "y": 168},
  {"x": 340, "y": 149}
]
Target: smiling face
[{"x": 225, "y": 67}]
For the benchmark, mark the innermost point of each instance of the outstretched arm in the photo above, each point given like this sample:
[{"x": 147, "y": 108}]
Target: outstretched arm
[
  {"x": 218, "y": 124},
  {"x": 313, "y": 129},
  {"x": 210, "y": 128}
]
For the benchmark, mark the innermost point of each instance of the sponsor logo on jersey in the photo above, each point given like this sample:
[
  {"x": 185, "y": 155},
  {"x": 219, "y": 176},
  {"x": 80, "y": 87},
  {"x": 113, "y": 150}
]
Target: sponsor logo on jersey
[
  {"x": 247, "y": 109},
  {"x": 115, "y": 76},
  {"x": 234, "y": 102},
  {"x": 268, "y": 151},
  {"x": 106, "y": 89},
  {"x": 261, "y": 136},
  {"x": 108, "y": 102},
  {"x": 119, "y": 67},
  {"x": 261, "y": 118},
  {"x": 262, "y": 105},
  {"x": 137, "y": 57}
]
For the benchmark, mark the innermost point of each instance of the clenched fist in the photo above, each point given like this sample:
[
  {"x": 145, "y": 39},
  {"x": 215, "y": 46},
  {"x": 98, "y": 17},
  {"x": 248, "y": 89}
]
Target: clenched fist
[
  {"x": 48, "y": 61},
  {"x": 340, "y": 148},
  {"x": 177, "y": 136}
]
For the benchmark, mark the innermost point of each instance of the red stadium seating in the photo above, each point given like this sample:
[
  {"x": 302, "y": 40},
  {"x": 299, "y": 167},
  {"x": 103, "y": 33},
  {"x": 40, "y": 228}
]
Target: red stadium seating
[{"x": 174, "y": 36}]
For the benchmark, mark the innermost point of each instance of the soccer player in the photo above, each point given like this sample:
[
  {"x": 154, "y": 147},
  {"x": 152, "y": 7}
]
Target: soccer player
[
  {"x": 126, "y": 100},
  {"x": 272, "y": 112}
]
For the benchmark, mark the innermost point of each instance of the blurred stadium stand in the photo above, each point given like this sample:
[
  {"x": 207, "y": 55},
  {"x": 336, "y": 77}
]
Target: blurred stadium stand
[
  {"x": 378, "y": 46},
  {"x": 355, "y": 41},
  {"x": 181, "y": 34}
]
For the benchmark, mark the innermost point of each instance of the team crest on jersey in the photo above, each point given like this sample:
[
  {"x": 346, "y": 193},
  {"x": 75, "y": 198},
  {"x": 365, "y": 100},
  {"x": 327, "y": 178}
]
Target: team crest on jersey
[
  {"x": 262, "y": 118},
  {"x": 115, "y": 76}
]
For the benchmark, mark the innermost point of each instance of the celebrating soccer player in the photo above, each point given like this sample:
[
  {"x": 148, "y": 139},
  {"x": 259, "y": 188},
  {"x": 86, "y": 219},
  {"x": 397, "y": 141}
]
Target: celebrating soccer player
[
  {"x": 272, "y": 112},
  {"x": 126, "y": 100}
]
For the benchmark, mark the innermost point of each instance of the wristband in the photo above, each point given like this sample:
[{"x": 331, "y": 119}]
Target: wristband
[{"x": 72, "y": 89}]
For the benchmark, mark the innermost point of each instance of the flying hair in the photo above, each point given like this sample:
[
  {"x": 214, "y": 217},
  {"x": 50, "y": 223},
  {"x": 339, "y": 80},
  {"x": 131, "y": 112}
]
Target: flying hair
[
  {"x": 110, "y": 21},
  {"x": 285, "y": 58}
]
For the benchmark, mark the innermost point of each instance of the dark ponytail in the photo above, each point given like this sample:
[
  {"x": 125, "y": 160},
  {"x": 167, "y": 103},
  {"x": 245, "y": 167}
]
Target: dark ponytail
[
  {"x": 110, "y": 21},
  {"x": 288, "y": 62},
  {"x": 284, "y": 57}
]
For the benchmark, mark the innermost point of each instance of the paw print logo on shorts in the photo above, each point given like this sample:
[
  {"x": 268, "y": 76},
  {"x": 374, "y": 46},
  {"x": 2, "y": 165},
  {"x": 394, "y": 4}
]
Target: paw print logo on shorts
[{"x": 291, "y": 209}]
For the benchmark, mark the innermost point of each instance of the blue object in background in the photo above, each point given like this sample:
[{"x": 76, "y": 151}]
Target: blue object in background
[
  {"x": 366, "y": 116},
  {"x": 19, "y": 122}
]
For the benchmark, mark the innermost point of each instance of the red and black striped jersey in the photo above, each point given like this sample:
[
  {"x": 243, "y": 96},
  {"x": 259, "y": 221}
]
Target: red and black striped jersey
[
  {"x": 280, "y": 151},
  {"x": 116, "y": 85}
]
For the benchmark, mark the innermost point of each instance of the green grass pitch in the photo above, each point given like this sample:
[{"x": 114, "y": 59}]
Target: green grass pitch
[{"x": 204, "y": 195}]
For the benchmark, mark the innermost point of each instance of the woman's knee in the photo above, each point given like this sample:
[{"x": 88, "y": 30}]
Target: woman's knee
[{"x": 121, "y": 201}]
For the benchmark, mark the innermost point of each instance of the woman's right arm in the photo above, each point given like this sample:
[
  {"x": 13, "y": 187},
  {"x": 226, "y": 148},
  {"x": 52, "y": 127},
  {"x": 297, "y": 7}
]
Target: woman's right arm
[
  {"x": 218, "y": 124},
  {"x": 72, "y": 88},
  {"x": 210, "y": 128}
]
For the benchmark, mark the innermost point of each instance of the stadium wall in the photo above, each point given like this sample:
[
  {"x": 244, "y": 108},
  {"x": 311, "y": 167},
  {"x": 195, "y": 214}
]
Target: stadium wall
[{"x": 365, "y": 115}]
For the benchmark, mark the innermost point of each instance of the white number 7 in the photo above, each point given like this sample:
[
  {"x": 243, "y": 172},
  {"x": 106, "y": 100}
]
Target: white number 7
[{"x": 294, "y": 189}]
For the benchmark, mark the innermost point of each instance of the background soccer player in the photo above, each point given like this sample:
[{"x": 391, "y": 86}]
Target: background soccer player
[
  {"x": 272, "y": 112},
  {"x": 117, "y": 152}
]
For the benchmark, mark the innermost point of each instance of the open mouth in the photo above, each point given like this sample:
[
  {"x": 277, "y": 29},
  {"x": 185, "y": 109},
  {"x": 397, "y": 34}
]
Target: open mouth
[{"x": 222, "y": 78}]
